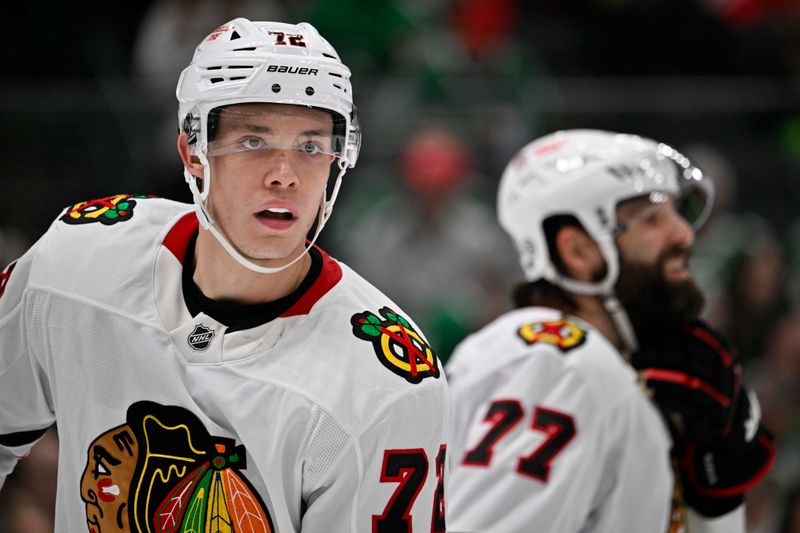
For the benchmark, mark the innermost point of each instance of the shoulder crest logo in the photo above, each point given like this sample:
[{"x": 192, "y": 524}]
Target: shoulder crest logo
[
  {"x": 161, "y": 471},
  {"x": 107, "y": 211},
  {"x": 562, "y": 333},
  {"x": 398, "y": 347}
]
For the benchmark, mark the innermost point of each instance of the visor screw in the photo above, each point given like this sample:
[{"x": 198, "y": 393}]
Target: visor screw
[
  {"x": 309, "y": 91},
  {"x": 276, "y": 88}
]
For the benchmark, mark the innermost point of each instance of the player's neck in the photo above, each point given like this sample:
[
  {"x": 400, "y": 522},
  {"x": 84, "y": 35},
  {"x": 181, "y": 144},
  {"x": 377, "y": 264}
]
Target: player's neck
[
  {"x": 591, "y": 309},
  {"x": 220, "y": 277}
]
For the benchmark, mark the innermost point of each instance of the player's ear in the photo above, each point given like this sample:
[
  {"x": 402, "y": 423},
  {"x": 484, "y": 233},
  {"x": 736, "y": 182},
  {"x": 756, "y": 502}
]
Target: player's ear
[
  {"x": 579, "y": 252},
  {"x": 190, "y": 162}
]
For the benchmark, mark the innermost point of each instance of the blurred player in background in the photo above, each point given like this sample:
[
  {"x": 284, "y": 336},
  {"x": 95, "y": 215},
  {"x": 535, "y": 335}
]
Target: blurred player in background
[
  {"x": 208, "y": 367},
  {"x": 602, "y": 404}
]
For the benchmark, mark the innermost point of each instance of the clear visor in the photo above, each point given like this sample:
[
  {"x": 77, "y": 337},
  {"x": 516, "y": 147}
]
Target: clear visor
[
  {"x": 696, "y": 190},
  {"x": 251, "y": 134},
  {"x": 696, "y": 198},
  {"x": 693, "y": 202}
]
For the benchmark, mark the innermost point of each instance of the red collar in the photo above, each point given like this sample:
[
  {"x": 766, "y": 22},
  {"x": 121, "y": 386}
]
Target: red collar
[{"x": 177, "y": 241}]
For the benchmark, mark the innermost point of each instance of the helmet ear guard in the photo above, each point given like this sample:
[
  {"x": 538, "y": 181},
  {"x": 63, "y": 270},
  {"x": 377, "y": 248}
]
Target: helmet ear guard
[
  {"x": 353, "y": 139},
  {"x": 191, "y": 127}
]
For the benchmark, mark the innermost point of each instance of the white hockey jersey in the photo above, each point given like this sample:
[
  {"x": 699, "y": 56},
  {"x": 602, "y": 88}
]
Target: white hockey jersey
[
  {"x": 332, "y": 417},
  {"x": 552, "y": 433}
]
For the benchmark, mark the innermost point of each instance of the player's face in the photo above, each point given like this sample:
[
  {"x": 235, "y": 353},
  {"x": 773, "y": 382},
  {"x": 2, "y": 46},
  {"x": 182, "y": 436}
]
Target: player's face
[
  {"x": 654, "y": 282},
  {"x": 106, "y": 480},
  {"x": 655, "y": 234},
  {"x": 269, "y": 178}
]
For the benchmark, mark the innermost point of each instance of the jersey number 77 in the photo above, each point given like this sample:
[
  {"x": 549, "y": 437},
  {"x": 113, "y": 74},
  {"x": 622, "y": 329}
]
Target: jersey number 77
[{"x": 503, "y": 416}]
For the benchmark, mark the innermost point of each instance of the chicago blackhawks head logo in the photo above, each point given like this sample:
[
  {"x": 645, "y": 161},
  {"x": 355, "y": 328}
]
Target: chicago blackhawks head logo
[
  {"x": 398, "y": 347},
  {"x": 561, "y": 333},
  {"x": 162, "y": 472},
  {"x": 107, "y": 211}
]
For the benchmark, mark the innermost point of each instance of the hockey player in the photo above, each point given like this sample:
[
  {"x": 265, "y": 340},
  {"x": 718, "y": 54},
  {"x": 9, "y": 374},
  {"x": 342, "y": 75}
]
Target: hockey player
[
  {"x": 209, "y": 368},
  {"x": 552, "y": 430}
]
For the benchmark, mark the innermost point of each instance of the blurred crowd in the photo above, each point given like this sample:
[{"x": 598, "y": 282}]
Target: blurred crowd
[{"x": 448, "y": 90}]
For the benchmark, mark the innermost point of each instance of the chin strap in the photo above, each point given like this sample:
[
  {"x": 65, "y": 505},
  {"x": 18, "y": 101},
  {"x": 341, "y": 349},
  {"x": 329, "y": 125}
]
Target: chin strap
[{"x": 622, "y": 322}]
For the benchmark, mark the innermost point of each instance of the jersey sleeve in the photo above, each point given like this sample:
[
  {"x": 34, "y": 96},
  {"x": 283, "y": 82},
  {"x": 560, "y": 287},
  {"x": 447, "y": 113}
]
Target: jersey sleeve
[
  {"x": 391, "y": 475},
  {"x": 25, "y": 406}
]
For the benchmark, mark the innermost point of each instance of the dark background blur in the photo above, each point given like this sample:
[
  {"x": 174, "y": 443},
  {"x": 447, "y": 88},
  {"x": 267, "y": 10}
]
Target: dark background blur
[
  {"x": 448, "y": 91},
  {"x": 81, "y": 96}
]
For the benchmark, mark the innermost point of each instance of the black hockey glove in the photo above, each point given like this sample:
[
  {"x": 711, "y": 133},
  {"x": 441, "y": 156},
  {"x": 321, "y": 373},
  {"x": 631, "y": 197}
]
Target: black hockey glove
[{"x": 721, "y": 446}]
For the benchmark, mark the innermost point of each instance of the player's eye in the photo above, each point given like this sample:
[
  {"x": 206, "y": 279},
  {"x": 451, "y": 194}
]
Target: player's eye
[
  {"x": 311, "y": 148},
  {"x": 252, "y": 143},
  {"x": 651, "y": 218}
]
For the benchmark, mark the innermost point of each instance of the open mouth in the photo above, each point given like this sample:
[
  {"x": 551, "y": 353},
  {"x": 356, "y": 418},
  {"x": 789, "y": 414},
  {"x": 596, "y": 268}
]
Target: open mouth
[
  {"x": 275, "y": 213},
  {"x": 677, "y": 266}
]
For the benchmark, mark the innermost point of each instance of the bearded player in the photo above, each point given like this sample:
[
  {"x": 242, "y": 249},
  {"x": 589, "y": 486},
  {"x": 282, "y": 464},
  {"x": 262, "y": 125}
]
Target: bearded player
[{"x": 602, "y": 404}]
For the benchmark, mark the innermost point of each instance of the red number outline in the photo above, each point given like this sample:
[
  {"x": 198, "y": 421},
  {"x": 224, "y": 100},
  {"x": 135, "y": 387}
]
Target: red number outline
[
  {"x": 504, "y": 415},
  {"x": 402, "y": 467},
  {"x": 560, "y": 430}
]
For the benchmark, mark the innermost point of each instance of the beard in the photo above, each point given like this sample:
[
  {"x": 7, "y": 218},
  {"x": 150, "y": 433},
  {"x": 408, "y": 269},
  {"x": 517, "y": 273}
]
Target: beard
[{"x": 654, "y": 305}]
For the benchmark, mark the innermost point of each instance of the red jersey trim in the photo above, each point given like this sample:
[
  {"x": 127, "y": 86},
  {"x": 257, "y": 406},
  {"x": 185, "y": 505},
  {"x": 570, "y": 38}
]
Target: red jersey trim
[
  {"x": 177, "y": 241},
  {"x": 330, "y": 275}
]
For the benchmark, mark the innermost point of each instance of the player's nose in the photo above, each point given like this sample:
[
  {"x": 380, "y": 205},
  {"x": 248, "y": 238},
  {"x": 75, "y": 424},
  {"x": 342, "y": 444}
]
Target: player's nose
[
  {"x": 680, "y": 231},
  {"x": 280, "y": 169}
]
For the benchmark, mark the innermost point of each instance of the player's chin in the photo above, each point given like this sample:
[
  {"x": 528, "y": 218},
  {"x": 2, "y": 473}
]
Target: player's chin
[
  {"x": 274, "y": 254},
  {"x": 269, "y": 259}
]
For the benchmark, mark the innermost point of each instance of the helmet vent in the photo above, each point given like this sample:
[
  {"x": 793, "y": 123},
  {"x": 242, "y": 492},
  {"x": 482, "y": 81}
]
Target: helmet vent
[
  {"x": 235, "y": 35},
  {"x": 329, "y": 56},
  {"x": 247, "y": 49},
  {"x": 335, "y": 74},
  {"x": 225, "y": 71}
]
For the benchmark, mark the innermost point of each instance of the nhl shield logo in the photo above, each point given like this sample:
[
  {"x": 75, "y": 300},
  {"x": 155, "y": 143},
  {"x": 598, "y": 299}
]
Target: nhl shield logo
[{"x": 200, "y": 338}]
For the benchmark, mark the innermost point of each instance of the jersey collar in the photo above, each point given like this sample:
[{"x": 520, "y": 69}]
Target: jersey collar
[{"x": 178, "y": 239}]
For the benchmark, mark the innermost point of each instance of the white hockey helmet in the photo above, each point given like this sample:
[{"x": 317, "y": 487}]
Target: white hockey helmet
[
  {"x": 586, "y": 174},
  {"x": 244, "y": 61}
]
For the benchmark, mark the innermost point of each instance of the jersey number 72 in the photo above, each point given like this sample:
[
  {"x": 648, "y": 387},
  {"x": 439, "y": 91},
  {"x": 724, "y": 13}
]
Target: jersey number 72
[{"x": 409, "y": 468}]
